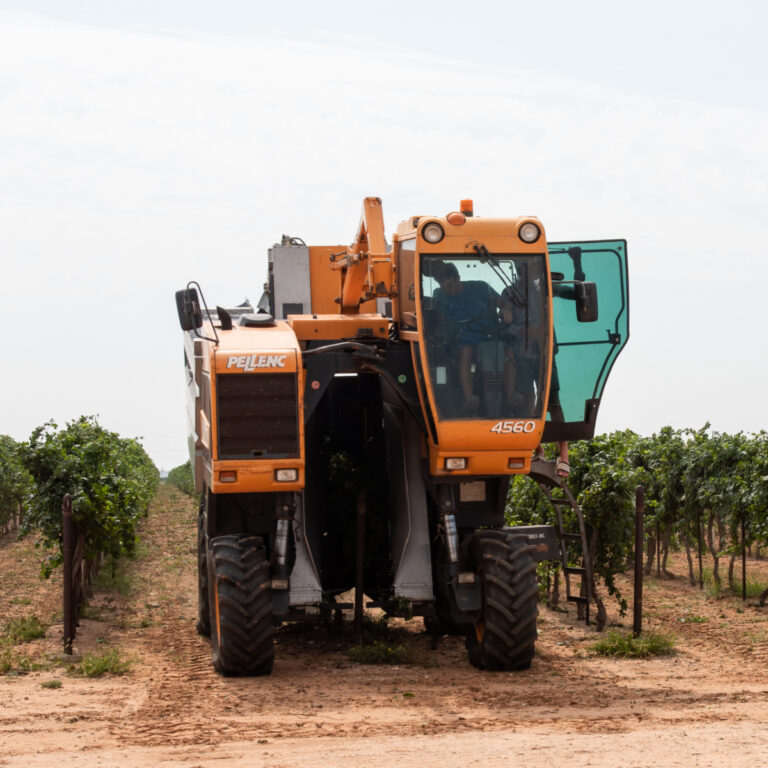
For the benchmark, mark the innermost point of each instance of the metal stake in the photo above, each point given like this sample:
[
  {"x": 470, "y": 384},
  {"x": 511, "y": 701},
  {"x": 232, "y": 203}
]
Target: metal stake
[
  {"x": 637, "y": 625},
  {"x": 701, "y": 563},
  {"x": 743, "y": 559},
  {"x": 67, "y": 546}
]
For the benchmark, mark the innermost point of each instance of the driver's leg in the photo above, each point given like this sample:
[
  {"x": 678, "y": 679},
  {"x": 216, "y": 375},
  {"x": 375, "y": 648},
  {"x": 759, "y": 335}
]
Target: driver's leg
[{"x": 513, "y": 401}]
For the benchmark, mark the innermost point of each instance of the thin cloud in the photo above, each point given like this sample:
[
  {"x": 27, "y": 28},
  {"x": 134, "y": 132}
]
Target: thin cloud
[{"x": 135, "y": 161}]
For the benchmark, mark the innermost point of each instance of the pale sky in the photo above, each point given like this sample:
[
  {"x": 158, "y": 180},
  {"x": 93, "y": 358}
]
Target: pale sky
[{"x": 145, "y": 144}]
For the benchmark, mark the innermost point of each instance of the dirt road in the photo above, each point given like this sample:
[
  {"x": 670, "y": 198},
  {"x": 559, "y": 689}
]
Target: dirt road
[{"x": 705, "y": 706}]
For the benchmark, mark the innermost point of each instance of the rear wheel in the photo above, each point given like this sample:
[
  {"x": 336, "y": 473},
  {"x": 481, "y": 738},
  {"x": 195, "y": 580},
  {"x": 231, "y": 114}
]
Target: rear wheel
[
  {"x": 504, "y": 634},
  {"x": 240, "y": 605},
  {"x": 203, "y": 605}
]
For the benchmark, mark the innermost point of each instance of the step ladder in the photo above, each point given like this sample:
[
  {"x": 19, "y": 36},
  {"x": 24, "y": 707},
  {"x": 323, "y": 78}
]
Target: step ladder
[{"x": 544, "y": 473}]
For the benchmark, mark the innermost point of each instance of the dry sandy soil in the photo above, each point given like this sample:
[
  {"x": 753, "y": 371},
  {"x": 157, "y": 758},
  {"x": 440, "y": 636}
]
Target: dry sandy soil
[{"x": 707, "y": 705}]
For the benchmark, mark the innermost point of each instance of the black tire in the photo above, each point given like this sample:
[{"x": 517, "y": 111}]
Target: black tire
[
  {"x": 504, "y": 634},
  {"x": 203, "y": 603},
  {"x": 240, "y": 605}
]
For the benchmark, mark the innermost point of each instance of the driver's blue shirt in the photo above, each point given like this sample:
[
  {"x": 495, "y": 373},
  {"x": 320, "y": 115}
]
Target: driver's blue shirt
[{"x": 472, "y": 309}]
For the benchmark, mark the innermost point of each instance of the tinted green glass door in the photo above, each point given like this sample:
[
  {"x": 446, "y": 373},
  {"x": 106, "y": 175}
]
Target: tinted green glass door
[{"x": 585, "y": 352}]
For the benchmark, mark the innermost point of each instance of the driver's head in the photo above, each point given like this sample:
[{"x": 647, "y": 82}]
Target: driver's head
[{"x": 450, "y": 281}]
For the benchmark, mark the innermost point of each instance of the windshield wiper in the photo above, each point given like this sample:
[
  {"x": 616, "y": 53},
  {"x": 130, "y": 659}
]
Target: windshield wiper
[
  {"x": 511, "y": 291},
  {"x": 486, "y": 255}
]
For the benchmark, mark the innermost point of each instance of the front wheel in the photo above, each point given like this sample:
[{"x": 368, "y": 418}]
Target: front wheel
[
  {"x": 242, "y": 628},
  {"x": 504, "y": 633}
]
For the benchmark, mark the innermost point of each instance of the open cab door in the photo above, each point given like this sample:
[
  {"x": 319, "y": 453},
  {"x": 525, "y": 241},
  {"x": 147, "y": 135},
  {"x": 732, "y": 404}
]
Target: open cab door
[{"x": 589, "y": 279}]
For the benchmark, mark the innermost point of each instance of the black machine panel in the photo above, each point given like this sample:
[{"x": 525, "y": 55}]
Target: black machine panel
[{"x": 257, "y": 415}]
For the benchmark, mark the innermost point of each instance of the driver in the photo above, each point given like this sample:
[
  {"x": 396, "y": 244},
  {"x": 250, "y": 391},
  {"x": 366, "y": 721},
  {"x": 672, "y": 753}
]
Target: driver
[{"x": 470, "y": 305}]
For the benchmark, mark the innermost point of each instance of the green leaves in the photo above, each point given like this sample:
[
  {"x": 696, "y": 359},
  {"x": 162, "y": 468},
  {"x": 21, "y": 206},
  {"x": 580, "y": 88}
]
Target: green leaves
[
  {"x": 182, "y": 478},
  {"x": 15, "y": 481},
  {"x": 688, "y": 475},
  {"x": 111, "y": 481}
]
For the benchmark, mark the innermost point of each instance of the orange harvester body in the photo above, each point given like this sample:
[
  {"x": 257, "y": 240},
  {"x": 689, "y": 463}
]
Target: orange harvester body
[{"x": 401, "y": 385}]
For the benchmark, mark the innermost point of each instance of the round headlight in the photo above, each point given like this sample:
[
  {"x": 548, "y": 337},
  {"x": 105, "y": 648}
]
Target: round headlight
[
  {"x": 432, "y": 232},
  {"x": 529, "y": 232}
]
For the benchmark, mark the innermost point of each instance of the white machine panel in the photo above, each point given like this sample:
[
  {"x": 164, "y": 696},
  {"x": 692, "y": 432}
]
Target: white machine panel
[{"x": 289, "y": 265}]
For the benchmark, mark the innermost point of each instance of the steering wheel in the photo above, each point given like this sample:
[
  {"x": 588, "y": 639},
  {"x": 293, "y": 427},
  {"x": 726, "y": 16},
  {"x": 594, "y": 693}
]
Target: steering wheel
[{"x": 490, "y": 324}]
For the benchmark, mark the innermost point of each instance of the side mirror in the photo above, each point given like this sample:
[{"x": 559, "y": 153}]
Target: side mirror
[
  {"x": 188, "y": 307},
  {"x": 586, "y": 302}
]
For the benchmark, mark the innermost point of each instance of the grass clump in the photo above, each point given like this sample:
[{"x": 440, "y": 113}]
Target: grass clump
[
  {"x": 374, "y": 626},
  {"x": 111, "y": 662},
  {"x": 16, "y": 664},
  {"x": 114, "y": 577},
  {"x": 92, "y": 612},
  {"x": 21, "y": 601},
  {"x": 116, "y": 580},
  {"x": 379, "y": 652},
  {"x": 51, "y": 684},
  {"x": 24, "y": 629},
  {"x": 643, "y": 647},
  {"x": 755, "y": 588},
  {"x": 693, "y": 619}
]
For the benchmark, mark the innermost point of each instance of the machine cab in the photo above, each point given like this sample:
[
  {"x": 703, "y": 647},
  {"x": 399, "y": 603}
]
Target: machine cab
[
  {"x": 486, "y": 334},
  {"x": 475, "y": 302},
  {"x": 512, "y": 339}
]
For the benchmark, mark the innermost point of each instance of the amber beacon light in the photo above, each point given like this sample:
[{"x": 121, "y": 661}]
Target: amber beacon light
[{"x": 456, "y": 218}]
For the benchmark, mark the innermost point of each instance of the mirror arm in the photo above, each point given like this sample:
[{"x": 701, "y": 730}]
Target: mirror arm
[{"x": 207, "y": 311}]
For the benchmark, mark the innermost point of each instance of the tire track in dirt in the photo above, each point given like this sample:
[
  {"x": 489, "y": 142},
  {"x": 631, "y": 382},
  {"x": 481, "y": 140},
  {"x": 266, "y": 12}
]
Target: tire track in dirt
[{"x": 181, "y": 691}]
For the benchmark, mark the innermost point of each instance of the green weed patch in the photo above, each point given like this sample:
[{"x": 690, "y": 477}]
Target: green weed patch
[
  {"x": 24, "y": 629},
  {"x": 111, "y": 662},
  {"x": 379, "y": 652},
  {"x": 12, "y": 663},
  {"x": 643, "y": 647}
]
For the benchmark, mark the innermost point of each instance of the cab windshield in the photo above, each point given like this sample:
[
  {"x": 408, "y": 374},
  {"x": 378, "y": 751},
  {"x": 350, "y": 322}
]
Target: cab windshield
[{"x": 485, "y": 321}]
